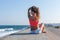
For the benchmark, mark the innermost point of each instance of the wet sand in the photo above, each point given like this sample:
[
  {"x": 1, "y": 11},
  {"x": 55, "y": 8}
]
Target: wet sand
[{"x": 25, "y": 35}]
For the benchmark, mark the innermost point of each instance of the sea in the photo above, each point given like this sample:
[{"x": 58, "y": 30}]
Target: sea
[{"x": 10, "y": 29}]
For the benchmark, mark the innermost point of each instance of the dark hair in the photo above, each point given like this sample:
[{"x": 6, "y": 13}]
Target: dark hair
[{"x": 35, "y": 9}]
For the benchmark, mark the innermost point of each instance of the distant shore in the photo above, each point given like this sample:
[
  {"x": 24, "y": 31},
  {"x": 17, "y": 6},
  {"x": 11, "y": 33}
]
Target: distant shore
[{"x": 57, "y": 26}]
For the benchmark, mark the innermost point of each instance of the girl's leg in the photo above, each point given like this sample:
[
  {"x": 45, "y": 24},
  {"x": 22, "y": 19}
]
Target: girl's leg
[{"x": 42, "y": 28}]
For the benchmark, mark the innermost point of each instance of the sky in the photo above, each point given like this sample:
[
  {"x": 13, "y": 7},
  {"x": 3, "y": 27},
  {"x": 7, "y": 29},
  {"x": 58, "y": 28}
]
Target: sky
[{"x": 14, "y": 12}]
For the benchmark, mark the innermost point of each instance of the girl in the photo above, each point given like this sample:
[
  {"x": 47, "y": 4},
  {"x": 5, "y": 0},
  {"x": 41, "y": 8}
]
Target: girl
[{"x": 34, "y": 16}]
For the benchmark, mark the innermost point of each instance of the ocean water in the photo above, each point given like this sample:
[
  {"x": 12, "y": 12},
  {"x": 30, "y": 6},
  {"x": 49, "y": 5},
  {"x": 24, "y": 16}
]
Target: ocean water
[
  {"x": 10, "y": 29},
  {"x": 14, "y": 27}
]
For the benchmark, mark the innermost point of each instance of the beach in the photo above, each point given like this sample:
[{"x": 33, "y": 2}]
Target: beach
[{"x": 52, "y": 34}]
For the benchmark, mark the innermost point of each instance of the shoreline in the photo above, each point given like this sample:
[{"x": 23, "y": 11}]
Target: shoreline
[{"x": 25, "y": 35}]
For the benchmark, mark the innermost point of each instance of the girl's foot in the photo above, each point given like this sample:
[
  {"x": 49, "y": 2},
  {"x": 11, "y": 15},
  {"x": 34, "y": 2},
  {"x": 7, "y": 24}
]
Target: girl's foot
[{"x": 43, "y": 31}]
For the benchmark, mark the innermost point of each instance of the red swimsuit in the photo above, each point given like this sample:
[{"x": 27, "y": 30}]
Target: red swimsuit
[{"x": 33, "y": 22}]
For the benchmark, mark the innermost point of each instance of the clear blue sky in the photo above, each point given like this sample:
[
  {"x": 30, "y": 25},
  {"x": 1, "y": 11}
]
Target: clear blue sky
[{"x": 14, "y": 12}]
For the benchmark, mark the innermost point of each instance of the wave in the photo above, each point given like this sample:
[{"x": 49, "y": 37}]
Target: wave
[
  {"x": 5, "y": 33},
  {"x": 8, "y": 31}
]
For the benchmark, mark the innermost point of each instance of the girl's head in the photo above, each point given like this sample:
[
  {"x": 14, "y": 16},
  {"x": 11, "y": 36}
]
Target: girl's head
[{"x": 34, "y": 9}]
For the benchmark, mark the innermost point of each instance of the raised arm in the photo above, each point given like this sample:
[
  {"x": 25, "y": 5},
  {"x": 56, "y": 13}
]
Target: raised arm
[
  {"x": 28, "y": 13},
  {"x": 30, "y": 16}
]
